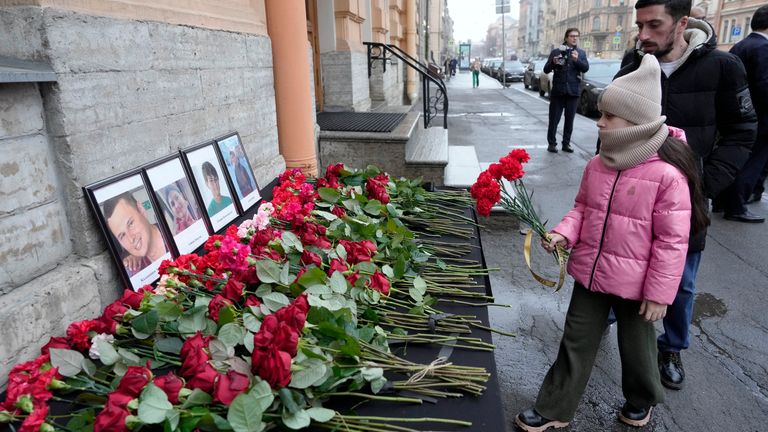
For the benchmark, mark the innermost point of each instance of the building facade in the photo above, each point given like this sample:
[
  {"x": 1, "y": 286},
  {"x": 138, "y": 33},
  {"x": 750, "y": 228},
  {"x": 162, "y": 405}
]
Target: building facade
[
  {"x": 115, "y": 85},
  {"x": 731, "y": 19}
]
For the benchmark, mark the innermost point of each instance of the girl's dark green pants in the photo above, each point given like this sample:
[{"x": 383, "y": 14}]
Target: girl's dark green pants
[{"x": 585, "y": 323}]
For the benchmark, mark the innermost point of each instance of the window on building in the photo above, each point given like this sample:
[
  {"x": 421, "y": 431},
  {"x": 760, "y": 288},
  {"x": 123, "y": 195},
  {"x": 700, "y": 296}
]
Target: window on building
[
  {"x": 730, "y": 35},
  {"x": 725, "y": 32},
  {"x": 598, "y": 3},
  {"x": 747, "y": 30},
  {"x": 620, "y": 20},
  {"x": 596, "y": 23}
]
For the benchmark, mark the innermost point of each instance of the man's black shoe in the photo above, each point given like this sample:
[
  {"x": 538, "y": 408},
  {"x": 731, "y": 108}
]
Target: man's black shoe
[
  {"x": 747, "y": 217},
  {"x": 671, "y": 370},
  {"x": 634, "y": 416},
  {"x": 552, "y": 149},
  {"x": 531, "y": 421},
  {"x": 567, "y": 149}
]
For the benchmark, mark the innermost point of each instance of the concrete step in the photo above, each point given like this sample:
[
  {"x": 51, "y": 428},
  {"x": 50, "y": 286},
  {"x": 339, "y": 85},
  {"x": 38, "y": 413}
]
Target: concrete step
[
  {"x": 463, "y": 166},
  {"x": 426, "y": 153}
]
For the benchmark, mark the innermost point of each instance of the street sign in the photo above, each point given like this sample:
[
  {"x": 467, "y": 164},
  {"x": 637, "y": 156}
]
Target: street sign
[
  {"x": 736, "y": 31},
  {"x": 617, "y": 39},
  {"x": 502, "y": 7},
  {"x": 588, "y": 44}
]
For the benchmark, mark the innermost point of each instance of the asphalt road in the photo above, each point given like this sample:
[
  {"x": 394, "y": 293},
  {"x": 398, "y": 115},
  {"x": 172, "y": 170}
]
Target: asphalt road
[{"x": 727, "y": 364}]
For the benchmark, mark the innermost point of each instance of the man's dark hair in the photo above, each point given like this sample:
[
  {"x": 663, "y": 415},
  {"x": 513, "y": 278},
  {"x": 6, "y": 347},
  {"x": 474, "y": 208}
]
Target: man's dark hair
[
  {"x": 676, "y": 8},
  {"x": 760, "y": 19},
  {"x": 572, "y": 29},
  {"x": 209, "y": 170},
  {"x": 110, "y": 204}
]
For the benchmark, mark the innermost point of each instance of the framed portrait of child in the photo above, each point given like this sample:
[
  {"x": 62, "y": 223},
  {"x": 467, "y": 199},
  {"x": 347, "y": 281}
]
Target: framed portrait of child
[
  {"x": 239, "y": 170},
  {"x": 127, "y": 214},
  {"x": 178, "y": 204},
  {"x": 211, "y": 184}
]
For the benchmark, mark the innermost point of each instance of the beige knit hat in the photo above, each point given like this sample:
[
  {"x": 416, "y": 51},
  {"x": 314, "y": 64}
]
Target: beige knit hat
[{"x": 636, "y": 96}]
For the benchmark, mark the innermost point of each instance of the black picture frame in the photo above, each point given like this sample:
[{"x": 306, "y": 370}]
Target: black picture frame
[
  {"x": 239, "y": 170},
  {"x": 182, "y": 212},
  {"x": 132, "y": 229},
  {"x": 219, "y": 214}
]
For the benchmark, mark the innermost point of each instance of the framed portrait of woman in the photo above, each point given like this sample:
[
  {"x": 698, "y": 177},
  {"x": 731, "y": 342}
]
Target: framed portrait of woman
[
  {"x": 175, "y": 198},
  {"x": 211, "y": 184},
  {"x": 239, "y": 170},
  {"x": 127, "y": 214}
]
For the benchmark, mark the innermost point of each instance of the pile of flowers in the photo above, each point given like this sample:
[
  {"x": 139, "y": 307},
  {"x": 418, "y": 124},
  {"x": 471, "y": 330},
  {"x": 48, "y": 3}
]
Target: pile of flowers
[{"x": 281, "y": 314}]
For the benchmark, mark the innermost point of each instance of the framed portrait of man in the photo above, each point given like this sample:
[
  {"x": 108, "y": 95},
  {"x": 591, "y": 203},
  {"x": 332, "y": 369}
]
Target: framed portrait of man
[
  {"x": 136, "y": 237},
  {"x": 179, "y": 206},
  {"x": 211, "y": 184},
  {"x": 239, "y": 170}
]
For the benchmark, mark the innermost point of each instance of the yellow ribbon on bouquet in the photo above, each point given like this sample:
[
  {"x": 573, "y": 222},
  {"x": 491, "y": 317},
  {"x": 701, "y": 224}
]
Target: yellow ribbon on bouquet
[{"x": 560, "y": 252}]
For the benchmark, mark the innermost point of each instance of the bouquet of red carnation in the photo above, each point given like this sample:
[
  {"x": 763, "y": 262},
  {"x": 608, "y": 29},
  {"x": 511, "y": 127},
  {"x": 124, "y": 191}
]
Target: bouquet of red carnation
[{"x": 489, "y": 190}]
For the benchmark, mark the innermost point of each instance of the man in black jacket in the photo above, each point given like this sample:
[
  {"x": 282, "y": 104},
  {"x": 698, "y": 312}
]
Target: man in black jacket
[
  {"x": 568, "y": 62},
  {"x": 753, "y": 52},
  {"x": 705, "y": 93}
]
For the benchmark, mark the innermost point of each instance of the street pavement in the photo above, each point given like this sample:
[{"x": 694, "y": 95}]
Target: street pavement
[{"x": 727, "y": 363}]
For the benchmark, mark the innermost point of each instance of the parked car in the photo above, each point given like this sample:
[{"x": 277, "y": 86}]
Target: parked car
[
  {"x": 493, "y": 67},
  {"x": 510, "y": 70},
  {"x": 486, "y": 66},
  {"x": 532, "y": 74},
  {"x": 597, "y": 78},
  {"x": 545, "y": 83}
]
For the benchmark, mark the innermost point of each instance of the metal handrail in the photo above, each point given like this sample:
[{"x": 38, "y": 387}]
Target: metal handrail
[{"x": 384, "y": 52}]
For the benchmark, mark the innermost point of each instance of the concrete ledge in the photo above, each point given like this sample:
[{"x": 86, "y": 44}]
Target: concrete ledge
[{"x": 463, "y": 166}]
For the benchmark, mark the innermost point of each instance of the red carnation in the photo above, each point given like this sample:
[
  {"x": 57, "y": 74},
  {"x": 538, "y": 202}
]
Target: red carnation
[
  {"x": 78, "y": 334},
  {"x": 35, "y": 419}
]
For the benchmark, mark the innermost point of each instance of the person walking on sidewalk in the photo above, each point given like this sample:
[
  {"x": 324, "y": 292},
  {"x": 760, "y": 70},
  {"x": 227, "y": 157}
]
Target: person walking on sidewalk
[
  {"x": 568, "y": 62},
  {"x": 705, "y": 93},
  {"x": 753, "y": 52},
  {"x": 475, "y": 68},
  {"x": 637, "y": 202}
]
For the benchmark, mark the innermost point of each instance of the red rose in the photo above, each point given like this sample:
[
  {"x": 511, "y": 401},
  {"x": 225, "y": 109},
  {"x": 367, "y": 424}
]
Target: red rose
[
  {"x": 78, "y": 334},
  {"x": 275, "y": 368},
  {"x": 203, "y": 378},
  {"x": 229, "y": 385},
  {"x": 107, "y": 320},
  {"x": 337, "y": 265},
  {"x": 216, "y": 305},
  {"x": 379, "y": 282},
  {"x": 353, "y": 277},
  {"x": 295, "y": 314},
  {"x": 286, "y": 339},
  {"x": 269, "y": 326},
  {"x": 338, "y": 211},
  {"x": 112, "y": 417},
  {"x": 308, "y": 258},
  {"x": 252, "y": 300},
  {"x": 132, "y": 299},
  {"x": 357, "y": 252},
  {"x": 35, "y": 419},
  {"x": 233, "y": 290},
  {"x": 55, "y": 342},
  {"x": 134, "y": 380},
  {"x": 193, "y": 354},
  {"x": 171, "y": 385}
]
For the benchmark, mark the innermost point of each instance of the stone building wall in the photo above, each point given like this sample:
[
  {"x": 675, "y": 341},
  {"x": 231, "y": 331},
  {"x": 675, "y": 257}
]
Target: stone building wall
[{"x": 127, "y": 92}]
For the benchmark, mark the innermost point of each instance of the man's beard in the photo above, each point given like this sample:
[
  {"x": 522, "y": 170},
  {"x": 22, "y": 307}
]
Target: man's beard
[{"x": 668, "y": 46}]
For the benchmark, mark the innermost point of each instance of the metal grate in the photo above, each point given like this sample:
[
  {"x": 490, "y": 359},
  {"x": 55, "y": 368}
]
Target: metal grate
[{"x": 359, "y": 121}]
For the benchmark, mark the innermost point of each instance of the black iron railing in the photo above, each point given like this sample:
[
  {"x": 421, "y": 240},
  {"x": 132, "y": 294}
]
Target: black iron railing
[{"x": 433, "y": 103}]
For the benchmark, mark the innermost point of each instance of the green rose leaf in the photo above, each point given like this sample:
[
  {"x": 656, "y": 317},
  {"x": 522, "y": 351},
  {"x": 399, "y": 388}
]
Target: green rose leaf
[
  {"x": 313, "y": 276},
  {"x": 341, "y": 252},
  {"x": 325, "y": 215},
  {"x": 168, "y": 310},
  {"x": 69, "y": 362},
  {"x": 373, "y": 207},
  {"x": 153, "y": 405},
  {"x": 89, "y": 367},
  {"x": 171, "y": 345},
  {"x": 263, "y": 395},
  {"x": 244, "y": 414},
  {"x": 388, "y": 271},
  {"x": 378, "y": 384},
  {"x": 268, "y": 271},
  {"x": 308, "y": 376},
  {"x": 318, "y": 290},
  {"x": 338, "y": 283},
  {"x": 197, "y": 398},
  {"x": 320, "y": 414},
  {"x": 329, "y": 194},
  {"x": 370, "y": 374},
  {"x": 107, "y": 353},
  {"x": 231, "y": 334},
  {"x": 147, "y": 322},
  {"x": 251, "y": 322},
  {"x": 276, "y": 300},
  {"x": 290, "y": 241},
  {"x": 420, "y": 284},
  {"x": 194, "y": 320},
  {"x": 285, "y": 275},
  {"x": 173, "y": 417},
  {"x": 298, "y": 420},
  {"x": 129, "y": 358}
]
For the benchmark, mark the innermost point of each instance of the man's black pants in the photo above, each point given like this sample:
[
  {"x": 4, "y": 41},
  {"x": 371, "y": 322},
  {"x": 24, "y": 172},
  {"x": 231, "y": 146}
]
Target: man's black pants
[
  {"x": 733, "y": 198},
  {"x": 558, "y": 103}
]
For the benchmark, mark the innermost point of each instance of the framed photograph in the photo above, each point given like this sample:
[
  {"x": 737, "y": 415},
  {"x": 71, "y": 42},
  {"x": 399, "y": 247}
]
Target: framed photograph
[
  {"x": 127, "y": 214},
  {"x": 211, "y": 184},
  {"x": 239, "y": 170},
  {"x": 176, "y": 200}
]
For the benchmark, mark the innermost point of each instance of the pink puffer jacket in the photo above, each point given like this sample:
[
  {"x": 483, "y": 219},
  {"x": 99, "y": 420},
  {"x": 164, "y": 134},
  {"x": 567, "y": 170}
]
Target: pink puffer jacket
[{"x": 629, "y": 230}]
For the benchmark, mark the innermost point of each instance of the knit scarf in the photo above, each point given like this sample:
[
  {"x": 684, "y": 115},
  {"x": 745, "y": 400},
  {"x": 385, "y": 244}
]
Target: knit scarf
[{"x": 624, "y": 148}]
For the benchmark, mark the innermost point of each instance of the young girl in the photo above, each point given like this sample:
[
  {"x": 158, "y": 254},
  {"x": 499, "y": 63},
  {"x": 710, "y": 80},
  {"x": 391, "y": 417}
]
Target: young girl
[{"x": 637, "y": 203}]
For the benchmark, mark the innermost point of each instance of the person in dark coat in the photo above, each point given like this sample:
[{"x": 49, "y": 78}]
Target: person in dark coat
[
  {"x": 568, "y": 62},
  {"x": 705, "y": 93},
  {"x": 753, "y": 52}
]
